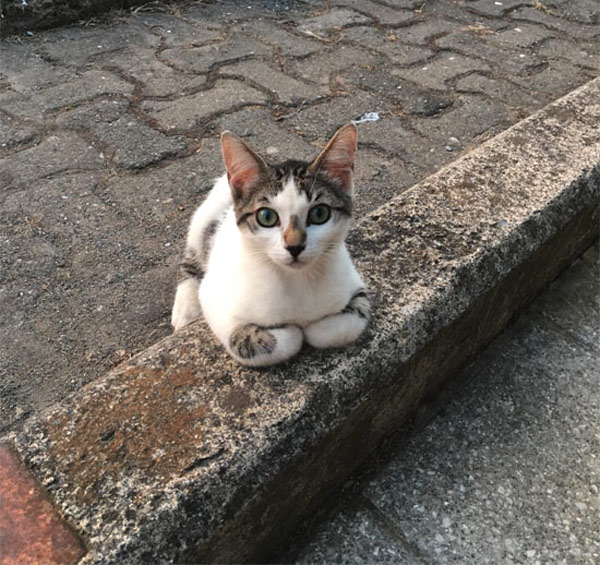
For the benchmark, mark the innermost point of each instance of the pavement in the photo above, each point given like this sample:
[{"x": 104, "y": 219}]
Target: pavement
[
  {"x": 508, "y": 470},
  {"x": 109, "y": 139}
]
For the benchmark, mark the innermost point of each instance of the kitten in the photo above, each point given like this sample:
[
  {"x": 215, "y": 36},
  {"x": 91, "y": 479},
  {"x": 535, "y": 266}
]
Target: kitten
[{"x": 265, "y": 260}]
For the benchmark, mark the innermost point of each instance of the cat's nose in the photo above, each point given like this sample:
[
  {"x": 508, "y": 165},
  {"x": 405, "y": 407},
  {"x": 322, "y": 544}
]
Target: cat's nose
[{"x": 295, "y": 250}]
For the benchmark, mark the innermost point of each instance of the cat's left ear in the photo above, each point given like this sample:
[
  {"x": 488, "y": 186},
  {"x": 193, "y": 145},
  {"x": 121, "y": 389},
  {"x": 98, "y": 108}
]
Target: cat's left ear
[
  {"x": 244, "y": 166},
  {"x": 337, "y": 159}
]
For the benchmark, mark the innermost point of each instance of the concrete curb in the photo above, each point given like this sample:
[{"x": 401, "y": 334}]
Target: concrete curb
[{"x": 180, "y": 454}]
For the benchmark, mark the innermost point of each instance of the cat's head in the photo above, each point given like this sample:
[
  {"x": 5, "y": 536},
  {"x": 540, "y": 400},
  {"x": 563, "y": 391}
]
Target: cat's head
[{"x": 295, "y": 212}]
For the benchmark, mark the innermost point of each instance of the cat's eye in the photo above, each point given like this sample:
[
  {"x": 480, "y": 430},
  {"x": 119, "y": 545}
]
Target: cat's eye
[
  {"x": 319, "y": 214},
  {"x": 267, "y": 217}
]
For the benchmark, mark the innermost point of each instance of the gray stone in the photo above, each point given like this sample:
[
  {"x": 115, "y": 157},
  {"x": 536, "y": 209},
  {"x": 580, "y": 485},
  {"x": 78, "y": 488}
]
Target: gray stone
[
  {"x": 186, "y": 112},
  {"x": 437, "y": 72},
  {"x": 203, "y": 59},
  {"x": 283, "y": 41},
  {"x": 283, "y": 87},
  {"x": 383, "y": 15},
  {"x": 499, "y": 89},
  {"x": 492, "y": 8},
  {"x": 324, "y": 67},
  {"x": 154, "y": 77},
  {"x": 128, "y": 142},
  {"x": 89, "y": 85},
  {"x": 585, "y": 55},
  {"x": 48, "y": 159},
  {"x": 335, "y": 19},
  {"x": 272, "y": 141},
  {"x": 398, "y": 53},
  {"x": 72, "y": 49},
  {"x": 553, "y": 21}
]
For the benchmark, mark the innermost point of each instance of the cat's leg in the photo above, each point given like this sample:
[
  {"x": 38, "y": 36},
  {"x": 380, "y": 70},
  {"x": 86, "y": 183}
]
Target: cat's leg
[
  {"x": 259, "y": 346},
  {"x": 342, "y": 328},
  {"x": 186, "y": 307}
]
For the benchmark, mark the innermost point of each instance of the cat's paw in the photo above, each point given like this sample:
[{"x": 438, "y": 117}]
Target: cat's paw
[
  {"x": 186, "y": 308},
  {"x": 258, "y": 346},
  {"x": 343, "y": 328}
]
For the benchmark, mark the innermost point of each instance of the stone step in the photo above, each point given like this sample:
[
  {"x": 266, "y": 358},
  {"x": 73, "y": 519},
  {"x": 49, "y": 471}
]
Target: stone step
[{"x": 181, "y": 454}]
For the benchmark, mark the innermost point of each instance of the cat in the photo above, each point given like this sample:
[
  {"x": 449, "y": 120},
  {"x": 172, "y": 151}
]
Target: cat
[{"x": 265, "y": 260}]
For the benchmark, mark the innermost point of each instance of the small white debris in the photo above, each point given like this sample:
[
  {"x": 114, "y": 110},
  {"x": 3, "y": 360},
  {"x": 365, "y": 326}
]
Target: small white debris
[
  {"x": 518, "y": 29},
  {"x": 367, "y": 117},
  {"x": 168, "y": 244},
  {"x": 272, "y": 150},
  {"x": 498, "y": 3},
  {"x": 522, "y": 56}
]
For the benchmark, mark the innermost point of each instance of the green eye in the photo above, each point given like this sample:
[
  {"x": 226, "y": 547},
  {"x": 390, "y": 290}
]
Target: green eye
[
  {"x": 319, "y": 214},
  {"x": 267, "y": 217}
]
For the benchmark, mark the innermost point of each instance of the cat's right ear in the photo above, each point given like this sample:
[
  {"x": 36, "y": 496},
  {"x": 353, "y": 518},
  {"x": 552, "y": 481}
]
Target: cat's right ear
[{"x": 244, "y": 166}]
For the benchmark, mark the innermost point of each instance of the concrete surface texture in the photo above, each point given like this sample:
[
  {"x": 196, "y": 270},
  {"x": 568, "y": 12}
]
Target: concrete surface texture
[
  {"x": 509, "y": 471},
  {"x": 181, "y": 454},
  {"x": 108, "y": 140}
]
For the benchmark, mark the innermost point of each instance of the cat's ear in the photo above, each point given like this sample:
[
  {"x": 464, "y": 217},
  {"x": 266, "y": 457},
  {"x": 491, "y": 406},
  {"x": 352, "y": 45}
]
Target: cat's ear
[
  {"x": 243, "y": 165},
  {"x": 337, "y": 159}
]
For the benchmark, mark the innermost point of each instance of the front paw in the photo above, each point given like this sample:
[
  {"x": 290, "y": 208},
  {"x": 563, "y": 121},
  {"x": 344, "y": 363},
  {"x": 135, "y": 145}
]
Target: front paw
[
  {"x": 342, "y": 328},
  {"x": 259, "y": 346},
  {"x": 186, "y": 308}
]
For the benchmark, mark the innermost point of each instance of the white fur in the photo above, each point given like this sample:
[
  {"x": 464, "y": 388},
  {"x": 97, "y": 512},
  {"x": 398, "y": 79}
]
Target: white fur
[{"x": 251, "y": 278}]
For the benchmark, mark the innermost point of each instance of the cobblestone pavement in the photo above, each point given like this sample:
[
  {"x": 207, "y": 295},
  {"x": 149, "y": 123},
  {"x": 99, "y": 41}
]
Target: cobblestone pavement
[
  {"x": 109, "y": 138},
  {"x": 508, "y": 472}
]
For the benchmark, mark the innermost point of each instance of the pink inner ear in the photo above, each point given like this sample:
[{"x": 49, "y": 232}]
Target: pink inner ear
[
  {"x": 338, "y": 158},
  {"x": 243, "y": 166}
]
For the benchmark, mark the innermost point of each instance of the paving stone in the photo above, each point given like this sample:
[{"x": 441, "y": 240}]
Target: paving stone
[
  {"x": 233, "y": 11},
  {"x": 443, "y": 68},
  {"x": 272, "y": 141},
  {"x": 203, "y": 59},
  {"x": 72, "y": 49},
  {"x": 186, "y": 112},
  {"x": 167, "y": 196},
  {"x": 469, "y": 118},
  {"x": 128, "y": 142},
  {"x": 529, "y": 14},
  {"x": 173, "y": 31},
  {"x": 13, "y": 134},
  {"x": 509, "y": 93},
  {"x": 324, "y": 67},
  {"x": 335, "y": 19},
  {"x": 48, "y": 158},
  {"x": 383, "y": 15},
  {"x": 552, "y": 77},
  {"x": 521, "y": 36},
  {"x": 155, "y": 78},
  {"x": 320, "y": 121},
  {"x": 26, "y": 71},
  {"x": 583, "y": 54},
  {"x": 89, "y": 85},
  {"x": 377, "y": 177},
  {"x": 472, "y": 45},
  {"x": 386, "y": 43},
  {"x": 284, "y": 88},
  {"x": 581, "y": 11},
  {"x": 421, "y": 32},
  {"x": 402, "y": 94},
  {"x": 491, "y": 7},
  {"x": 274, "y": 34}
]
